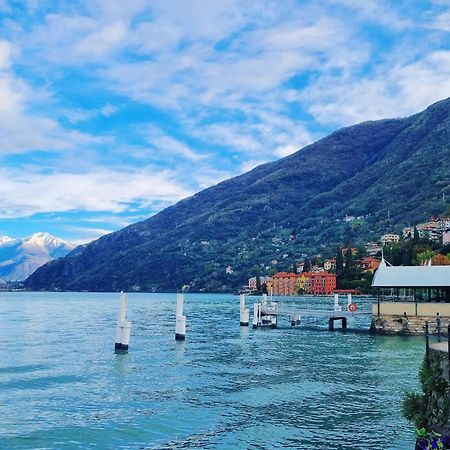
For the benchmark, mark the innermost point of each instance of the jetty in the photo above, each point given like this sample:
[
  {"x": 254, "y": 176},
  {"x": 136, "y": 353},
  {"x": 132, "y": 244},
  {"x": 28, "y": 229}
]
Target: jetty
[{"x": 267, "y": 312}]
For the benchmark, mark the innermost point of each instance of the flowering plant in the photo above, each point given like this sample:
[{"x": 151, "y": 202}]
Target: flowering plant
[{"x": 431, "y": 441}]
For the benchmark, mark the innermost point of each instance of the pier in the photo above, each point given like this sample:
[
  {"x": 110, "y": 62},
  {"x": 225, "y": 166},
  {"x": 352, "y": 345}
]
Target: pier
[{"x": 269, "y": 312}]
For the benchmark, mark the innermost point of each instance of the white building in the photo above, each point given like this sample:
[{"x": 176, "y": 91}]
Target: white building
[{"x": 389, "y": 238}]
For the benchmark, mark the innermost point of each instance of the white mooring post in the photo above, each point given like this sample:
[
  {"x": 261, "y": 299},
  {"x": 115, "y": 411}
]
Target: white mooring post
[
  {"x": 336, "y": 302},
  {"x": 244, "y": 312},
  {"x": 180, "y": 325},
  {"x": 264, "y": 300},
  {"x": 123, "y": 327},
  {"x": 349, "y": 299},
  {"x": 256, "y": 315}
]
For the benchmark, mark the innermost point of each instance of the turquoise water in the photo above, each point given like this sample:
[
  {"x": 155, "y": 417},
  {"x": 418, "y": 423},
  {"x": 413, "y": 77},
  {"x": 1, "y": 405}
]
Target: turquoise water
[{"x": 225, "y": 387}]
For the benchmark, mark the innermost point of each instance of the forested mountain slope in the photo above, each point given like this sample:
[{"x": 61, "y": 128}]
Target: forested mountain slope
[{"x": 390, "y": 173}]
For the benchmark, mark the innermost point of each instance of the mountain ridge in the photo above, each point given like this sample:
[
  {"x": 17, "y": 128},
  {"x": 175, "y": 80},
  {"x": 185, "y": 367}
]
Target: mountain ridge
[
  {"x": 249, "y": 220},
  {"x": 21, "y": 257}
]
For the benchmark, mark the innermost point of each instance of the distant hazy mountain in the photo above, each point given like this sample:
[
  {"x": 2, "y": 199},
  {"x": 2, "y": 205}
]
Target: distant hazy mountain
[
  {"x": 21, "y": 257},
  {"x": 350, "y": 187}
]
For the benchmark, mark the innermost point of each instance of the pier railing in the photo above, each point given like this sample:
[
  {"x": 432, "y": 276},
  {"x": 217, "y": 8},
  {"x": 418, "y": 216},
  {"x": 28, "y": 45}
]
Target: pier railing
[{"x": 437, "y": 335}]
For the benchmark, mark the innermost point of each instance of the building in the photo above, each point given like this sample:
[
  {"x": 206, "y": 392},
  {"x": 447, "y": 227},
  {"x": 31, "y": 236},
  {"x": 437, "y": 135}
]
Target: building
[
  {"x": 252, "y": 282},
  {"x": 322, "y": 283},
  {"x": 389, "y": 238},
  {"x": 433, "y": 229},
  {"x": 329, "y": 264},
  {"x": 372, "y": 248},
  {"x": 446, "y": 237},
  {"x": 369, "y": 264},
  {"x": 316, "y": 283},
  {"x": 303, "y": 282},
  {"x": 422, "y": 293},
  {"x": 345, "y": 249},
  {"x": 284, "y": 283}
]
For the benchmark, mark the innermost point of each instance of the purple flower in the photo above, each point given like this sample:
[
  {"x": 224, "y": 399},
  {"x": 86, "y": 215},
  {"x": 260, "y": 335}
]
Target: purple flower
[{"x": 446, "y": 441}]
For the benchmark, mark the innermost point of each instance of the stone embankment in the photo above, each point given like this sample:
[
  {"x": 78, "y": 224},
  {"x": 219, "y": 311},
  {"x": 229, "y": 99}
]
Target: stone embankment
[{"x": 408, "y": 318}]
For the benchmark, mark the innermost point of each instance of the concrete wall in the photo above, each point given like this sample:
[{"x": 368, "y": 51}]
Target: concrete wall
[
  {"x": 392, "y": 319},
  {"x": 423, "y": 309}
]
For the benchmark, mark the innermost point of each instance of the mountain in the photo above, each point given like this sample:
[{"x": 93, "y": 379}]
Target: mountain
[
  {"x": 21, "y": 257},
  {"x": 387, "y": 174}
]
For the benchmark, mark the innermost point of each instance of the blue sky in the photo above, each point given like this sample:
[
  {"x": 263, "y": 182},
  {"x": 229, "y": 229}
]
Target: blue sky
[{"x": 112, "y": 110}]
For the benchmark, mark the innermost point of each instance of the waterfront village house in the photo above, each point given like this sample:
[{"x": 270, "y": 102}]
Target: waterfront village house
[
  {"x": 329, "y": 264},
  {"x": 283, "y": 283},
  {"x": 389, "y": 238},
  {"x": 322, "y": 283},
  {"x": 446, "y": 237},
  {"x": 417, "y": 294},
  {"x": 369, "y": 264},
  {"x": 433, "y": 230},
  {"x": 372, "y": 248},
  {"x": 317, "y": 283},
  {"x": 252, "y": 282},
  {"x": 344, "y": 251}
]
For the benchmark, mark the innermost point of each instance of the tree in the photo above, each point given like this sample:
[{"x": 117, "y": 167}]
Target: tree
[
  {"x": 307, "y": 265},
  {"x": 294, "y": 267},
  {"x": 416, "y": 236},
  {"x": 339, "y": 261},
  {"x": 315, "y": 261},
  {"x": 349, "y": 260},
  {"x": 440, "y": 260},
  {"x": 264, "y": 289},
  {"x": 423, "y": 257}
]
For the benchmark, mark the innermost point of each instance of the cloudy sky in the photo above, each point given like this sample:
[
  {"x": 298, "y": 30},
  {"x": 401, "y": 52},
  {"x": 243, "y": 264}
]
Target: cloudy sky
[{"x": 111, "y": 110}]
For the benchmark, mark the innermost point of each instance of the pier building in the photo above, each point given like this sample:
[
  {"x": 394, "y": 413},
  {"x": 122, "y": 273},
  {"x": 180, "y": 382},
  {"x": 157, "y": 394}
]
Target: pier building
[{"x": 409, "y": 296}]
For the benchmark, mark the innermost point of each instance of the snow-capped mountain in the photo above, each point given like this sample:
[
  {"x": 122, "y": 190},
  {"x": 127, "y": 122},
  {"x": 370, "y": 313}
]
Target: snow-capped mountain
[{"x": 19, "y": 258}]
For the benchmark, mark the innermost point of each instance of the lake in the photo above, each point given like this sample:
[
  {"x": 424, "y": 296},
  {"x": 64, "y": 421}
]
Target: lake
[{"x": 225, "y": 387}]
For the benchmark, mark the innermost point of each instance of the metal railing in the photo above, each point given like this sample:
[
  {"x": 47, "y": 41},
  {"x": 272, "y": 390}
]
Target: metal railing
[{"x": 438, "y": 336}]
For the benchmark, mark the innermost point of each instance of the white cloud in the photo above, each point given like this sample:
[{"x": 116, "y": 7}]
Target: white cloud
[
  {"x": 442, "y": 21},
  {"x": 251, "y": 164},
  {"x": 86, "y": 234},
  {"x": 285, "y": 150},
  {"x": 168, "y": 145},
  {"x": 392, "y": 92},
  {"x": 99, "y": 43},
  {"x": 5, "y": 55},
  {"x": 82, "y": 115},
  {"x": 23, "y": 194},
  {"x": 247, "y": 81}
]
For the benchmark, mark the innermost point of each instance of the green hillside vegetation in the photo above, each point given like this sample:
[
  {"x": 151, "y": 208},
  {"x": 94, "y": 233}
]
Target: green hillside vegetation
[{"x": 389, "y": 173}]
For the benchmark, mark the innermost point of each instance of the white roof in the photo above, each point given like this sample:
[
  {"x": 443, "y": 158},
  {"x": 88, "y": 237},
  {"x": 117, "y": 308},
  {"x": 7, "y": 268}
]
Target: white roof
[{"x": 411, "y": 276}]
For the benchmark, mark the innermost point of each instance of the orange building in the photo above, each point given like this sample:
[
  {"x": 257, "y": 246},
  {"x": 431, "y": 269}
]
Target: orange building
[
  {"x": 284, "y": 283},
  {"x": 316, "y": 283},
  {"x": 369, "y": 264},
  {"x": 322, "y": 283}
]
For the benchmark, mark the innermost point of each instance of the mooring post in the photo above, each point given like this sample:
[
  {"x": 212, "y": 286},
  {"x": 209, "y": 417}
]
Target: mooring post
[
  {"x": 438, "y": 327},
  {"x": 331, "y": 324},
  {"x": 349, "y": 299},
  {"x": 255, "y": 315},
  {"x": 427, "y": 341},
  {"x": 336, "y": 301},
  {"x": 344, "y": 323},
  {"x": 123, "y": 327},
  {"x": 180, "y": 320},
  {"x": 244, "y": 312}
]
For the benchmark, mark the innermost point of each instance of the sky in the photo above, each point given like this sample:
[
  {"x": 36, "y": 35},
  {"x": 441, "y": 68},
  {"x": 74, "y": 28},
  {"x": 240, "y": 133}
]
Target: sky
[{"x": 112, "y": 110}]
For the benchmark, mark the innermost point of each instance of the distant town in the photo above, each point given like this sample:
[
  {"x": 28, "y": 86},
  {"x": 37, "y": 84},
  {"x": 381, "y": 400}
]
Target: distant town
[{"x": 352, "y": 269}]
